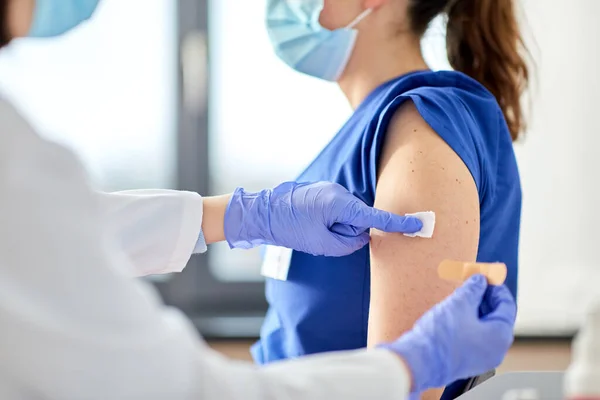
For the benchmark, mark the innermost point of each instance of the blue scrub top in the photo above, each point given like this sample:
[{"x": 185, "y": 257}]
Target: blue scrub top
[{"x": 324, "y": 304}]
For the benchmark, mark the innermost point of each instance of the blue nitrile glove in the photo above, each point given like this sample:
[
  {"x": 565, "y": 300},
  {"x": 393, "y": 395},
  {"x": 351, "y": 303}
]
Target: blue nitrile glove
[
  {"x": 316, "y": 218},
  {"x": 454, "y": 341}
]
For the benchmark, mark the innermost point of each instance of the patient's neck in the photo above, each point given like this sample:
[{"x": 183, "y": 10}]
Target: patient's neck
[{"x": 374, "y": 64}]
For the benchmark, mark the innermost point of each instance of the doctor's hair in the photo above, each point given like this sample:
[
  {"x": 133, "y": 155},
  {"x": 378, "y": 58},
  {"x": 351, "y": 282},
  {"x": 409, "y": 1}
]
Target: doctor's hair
[
  {"x": 4, "y": 35},
  {"x": 483, "y": 40}
]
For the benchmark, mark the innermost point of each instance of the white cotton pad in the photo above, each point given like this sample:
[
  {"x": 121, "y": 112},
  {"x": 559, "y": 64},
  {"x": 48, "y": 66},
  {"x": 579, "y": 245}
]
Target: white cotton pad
[{"x": 428, "y": 220}]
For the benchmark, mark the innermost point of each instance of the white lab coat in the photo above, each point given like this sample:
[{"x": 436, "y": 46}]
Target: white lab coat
[{"x": 73, "y": 325}]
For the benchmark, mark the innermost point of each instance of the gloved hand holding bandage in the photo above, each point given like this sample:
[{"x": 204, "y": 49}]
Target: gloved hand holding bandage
[
  {"x": 316, "y": 218},
  {"x": 454, "y": 340}
]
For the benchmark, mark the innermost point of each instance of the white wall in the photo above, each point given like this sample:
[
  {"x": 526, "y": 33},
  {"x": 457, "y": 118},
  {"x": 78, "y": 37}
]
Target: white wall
[{"x": 560, "y": 166}]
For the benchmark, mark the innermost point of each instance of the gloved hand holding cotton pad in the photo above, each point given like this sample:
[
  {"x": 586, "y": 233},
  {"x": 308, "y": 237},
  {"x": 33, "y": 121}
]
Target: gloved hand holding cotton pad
[{"x": 428, "y": 220}]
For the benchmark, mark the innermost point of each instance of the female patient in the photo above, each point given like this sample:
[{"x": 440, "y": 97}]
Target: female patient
[{"x": 418, "y": 140}]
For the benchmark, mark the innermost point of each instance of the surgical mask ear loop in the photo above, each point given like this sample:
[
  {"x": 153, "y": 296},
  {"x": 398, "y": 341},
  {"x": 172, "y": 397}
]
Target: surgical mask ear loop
[{"x": 358, "y": 19}]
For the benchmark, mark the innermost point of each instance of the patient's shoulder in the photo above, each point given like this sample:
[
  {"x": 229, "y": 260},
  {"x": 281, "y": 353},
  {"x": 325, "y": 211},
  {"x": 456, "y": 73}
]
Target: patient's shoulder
[
  {"x": 467, "y": 119},
  {"x": 410, "y": 134}
]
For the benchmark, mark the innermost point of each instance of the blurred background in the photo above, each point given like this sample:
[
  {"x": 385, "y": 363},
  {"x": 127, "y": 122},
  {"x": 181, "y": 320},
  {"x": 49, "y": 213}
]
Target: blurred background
[{"x": 162, "y": 116}]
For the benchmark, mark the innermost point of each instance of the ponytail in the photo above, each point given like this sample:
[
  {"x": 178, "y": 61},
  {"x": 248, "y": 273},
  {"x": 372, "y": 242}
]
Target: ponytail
[{"x": 483, "y": 41}]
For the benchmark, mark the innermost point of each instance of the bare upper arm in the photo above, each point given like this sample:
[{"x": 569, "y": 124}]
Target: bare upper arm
[{"x": 418, "y": 171}]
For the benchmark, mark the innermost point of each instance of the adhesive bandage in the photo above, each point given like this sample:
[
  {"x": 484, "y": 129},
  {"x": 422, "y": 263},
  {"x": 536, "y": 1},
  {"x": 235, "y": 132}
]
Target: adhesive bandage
[
  {"x": 460, "y": 271},
  {"x": 428, "y": 220}
]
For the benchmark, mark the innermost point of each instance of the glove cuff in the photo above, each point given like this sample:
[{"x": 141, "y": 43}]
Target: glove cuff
[
  {"x": 419, "y": 356},
  {"x": 247, "y": 223}
]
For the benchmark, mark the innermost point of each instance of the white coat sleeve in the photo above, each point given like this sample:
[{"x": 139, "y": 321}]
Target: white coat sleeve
[
  {"x": 75, "y": 327},
  {"x": 158, "y": 230}
]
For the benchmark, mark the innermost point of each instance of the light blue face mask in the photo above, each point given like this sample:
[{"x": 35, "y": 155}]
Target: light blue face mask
[
  {"x": 55, "y": 17},
  {"x": 302, "y": 43}
]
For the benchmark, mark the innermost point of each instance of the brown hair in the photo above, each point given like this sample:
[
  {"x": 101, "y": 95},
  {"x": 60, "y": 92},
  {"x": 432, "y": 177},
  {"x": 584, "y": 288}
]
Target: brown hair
[
  {"x": 483, "y": 41},
  {"x": 4, "y": 35}
]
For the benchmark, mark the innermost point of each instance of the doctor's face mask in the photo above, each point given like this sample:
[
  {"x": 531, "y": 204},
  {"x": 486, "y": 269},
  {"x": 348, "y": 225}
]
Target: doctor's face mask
[
  {"x": 301, "y": 42},
  {"x": 55, "y": 17}
]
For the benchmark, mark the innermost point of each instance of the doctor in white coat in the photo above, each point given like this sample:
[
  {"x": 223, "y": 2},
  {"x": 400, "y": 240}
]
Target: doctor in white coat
[{"x": 74, "y": 325}]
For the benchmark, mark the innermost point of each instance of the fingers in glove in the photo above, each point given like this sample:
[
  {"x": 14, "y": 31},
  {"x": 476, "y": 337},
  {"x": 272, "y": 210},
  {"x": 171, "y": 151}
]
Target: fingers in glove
[
  {"x": 502, "y": 305},
  {"x": 472, "y": 291},
  {"x": 352, "y": 244},
  {"x": 367, "y": 217},
  {"x": 347, "y": 230},
  {"x": 486, "y": 306}
]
